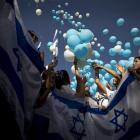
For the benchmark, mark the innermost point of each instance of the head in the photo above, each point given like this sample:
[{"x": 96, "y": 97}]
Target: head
[
  {"x": 33, "y": 36},
  {"x": 136, "y": 63},
  {"x": 61, "y": 78}
]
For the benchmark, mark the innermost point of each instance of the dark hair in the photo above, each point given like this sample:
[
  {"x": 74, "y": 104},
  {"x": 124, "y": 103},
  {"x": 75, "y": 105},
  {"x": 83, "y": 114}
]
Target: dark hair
[
  {"x": 33, "y": 36},
  {"x": 137, "y": 57},
  {"x": 61, "y": 78}
]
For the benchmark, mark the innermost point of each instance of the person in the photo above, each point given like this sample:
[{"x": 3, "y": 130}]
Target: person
[
  {"x": 48, "y": 83},
  {"x": 35, "y": 39},
  {"x": 81, "y": 88},
  {"x": 135, "y": 69}
]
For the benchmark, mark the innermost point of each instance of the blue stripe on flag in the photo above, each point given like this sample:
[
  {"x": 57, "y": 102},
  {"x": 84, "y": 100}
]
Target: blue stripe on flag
[
  {"x": 27, "y": 48},
  {"x": 77, "y": 105},
  {"x": 132, "y": 132},
  {"x": 7, "y": 68}
]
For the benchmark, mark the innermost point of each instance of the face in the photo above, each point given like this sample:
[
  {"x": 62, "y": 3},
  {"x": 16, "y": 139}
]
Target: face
[{"x": 136, "y": 64}]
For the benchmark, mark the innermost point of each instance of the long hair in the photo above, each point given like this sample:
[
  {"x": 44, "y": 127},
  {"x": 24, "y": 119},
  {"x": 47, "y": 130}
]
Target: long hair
[{"x": 61, "y": 78}]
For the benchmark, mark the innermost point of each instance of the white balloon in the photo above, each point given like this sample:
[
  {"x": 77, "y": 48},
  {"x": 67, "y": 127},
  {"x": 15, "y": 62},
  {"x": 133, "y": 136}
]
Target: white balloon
[
  {"x": 69, "y": 56},
  {"x": 62, "y": 11},
  {"x": 87, "y": 14},
  {"x": 118, "y": 48},
  {"x": 38, "y": 12},
  {"x": 95, "y": 39},
  {"x": 98, "y": 44},
  {"x": 73, "y": 69},
  {"x": 80, "y": 16},
  {"x": 92, "y": 43},
  {"x": 52, "y": 48},
  {"x": 36, "y": 1},
  {"x": 65, "y": 35},
  {"x": 77, "y": 14},
  {"x": 67, "y": 47},
  {"x": 42, "y": 0}
]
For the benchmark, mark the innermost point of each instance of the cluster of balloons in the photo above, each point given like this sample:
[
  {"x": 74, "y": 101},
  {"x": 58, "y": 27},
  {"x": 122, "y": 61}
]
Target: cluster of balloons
[{"x": 78, "y": 45}]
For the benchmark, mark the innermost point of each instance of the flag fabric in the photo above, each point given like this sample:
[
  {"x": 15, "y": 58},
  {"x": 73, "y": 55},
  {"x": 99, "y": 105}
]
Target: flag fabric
[
  {"x": 73, "y": 118},
  {"x": 20, "y": 66}
]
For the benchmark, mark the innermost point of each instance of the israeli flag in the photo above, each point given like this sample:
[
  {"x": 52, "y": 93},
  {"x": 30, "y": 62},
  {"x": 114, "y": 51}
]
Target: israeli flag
[
  {"x": 67, "y": 117},
  {"x": 20, "y": 66}
]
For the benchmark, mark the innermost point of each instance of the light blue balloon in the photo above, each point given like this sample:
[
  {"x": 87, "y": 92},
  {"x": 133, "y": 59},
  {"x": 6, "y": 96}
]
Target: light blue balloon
[
  {"x": 127, "y": 45},
  {"x": 88, "y": 75},
  {"x": 102, "y": 48},
  {"x": 120, "y": 22},
  {"x": 107, "y": 76},
  {"x": 54, "y": 17},
  {"x": 105, "y": 31},
  {"x": 86, "y": 35},
  {"x": 87, "y": 68},
  {"x": 71, "y": 32},
  {"x": 81, "y": 51},
  {"x": 108, "y": 66},
  {"x": 123, "y": 62},
  {"x": 73, "y": 22},
  {"x": 79, "y": 23},
  {"x": 136, "y": 41},
  {"x": 96, "y": 54},
  {"x": 57, "y": 18},
  {"x": 49, "y": 44},
  {"x": 112, "y": 52},
  {"x": 121, "y": 52},
  {"x": 62, "y": 22},
  {"x": 73, "y": 41},
  {"x": 134, "y": 31},
  {"x": 83, "y": 26},
  {"x": 127, "y": 53},
  {"x": 119, "y": 43},
  {"x": 112, "y": 39},
  {"x": 113, "y": 62}
]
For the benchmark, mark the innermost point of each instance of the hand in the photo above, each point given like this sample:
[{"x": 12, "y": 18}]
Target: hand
[
  {"x": 96, "y": 66},
  {"x": 120, "y": 68}
]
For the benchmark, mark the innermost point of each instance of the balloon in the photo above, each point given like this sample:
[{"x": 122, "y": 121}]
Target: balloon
[
  {"x": 134, "y": 31},
  {"x": 108, "y": 66},
  {"x": 67, "y": 47},
  {"x": 87, "y": 14},
  {"x": 62, "y": 11},
  {"x": 59, "y": 6},
  {"x": 112, "y": 52},
  {"x": 66, "y": 3},
  {"x": 96, "y": 54},
  {"x": 73, "y": 69},
  {"x": 36, "y": 1},
  {"x": 117, "y": 48},
  {"x": 62, "y": 22},
  {"x": 81, "y": 50},
  {"x": 136, "y": 41},
  {"x": 107, "y": 76},
  {"x": 69, "y": 56},
  {"x": 95, "y": 39},
  {"x": 98, "y": 45},
  {"x": 112, "y": 39},
  {"x": 86, "y": 35},
  {"x": 49, "y": 44},
  {"x": 105, "y": 31},
  {"x": 64, "y": 35},
  {"x": 92, "y": 43},
  {"x": 120, "y": 22},
  {"x": 127, "y": 45},
  {"x": 71, "y": 32},
  {"x": 77, "y": 14},
  {"x": 52, "y": 48},
  {"x": 102, "y": 48},
  {"x": 38, "y": 12},
  {"x": 80, "y": 16},
  {"x": 73, "y": 40},
  {"x": 119, "y": 43},
  {"x": 126, "y": 53},
  {"x": 113, "y": 62}
]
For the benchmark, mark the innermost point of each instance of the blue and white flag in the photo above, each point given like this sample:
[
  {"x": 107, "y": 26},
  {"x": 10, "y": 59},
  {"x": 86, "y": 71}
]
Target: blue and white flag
[
  {"x": 20, "y": 66},
  {"x": 74, "y": 118}
]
